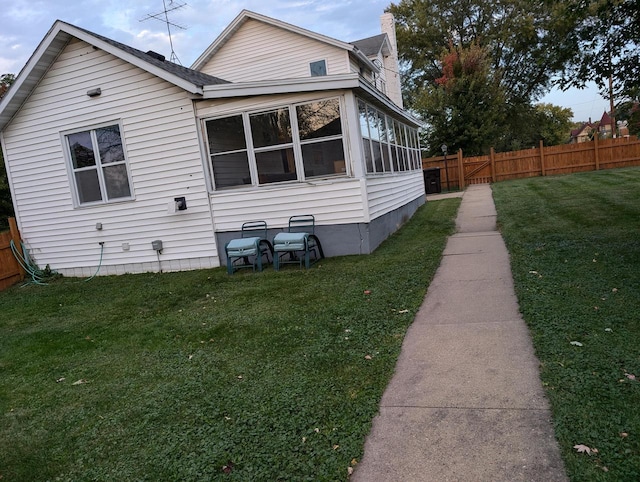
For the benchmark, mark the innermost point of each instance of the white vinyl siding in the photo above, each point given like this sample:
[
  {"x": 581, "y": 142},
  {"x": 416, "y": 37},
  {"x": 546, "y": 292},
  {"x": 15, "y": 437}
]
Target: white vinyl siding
[
  {"x": 384, "y": 194},
  {"x": 164, "y": 159},
  {"x": 258, "y": 51},
  {"x": 331, "y": 202}
]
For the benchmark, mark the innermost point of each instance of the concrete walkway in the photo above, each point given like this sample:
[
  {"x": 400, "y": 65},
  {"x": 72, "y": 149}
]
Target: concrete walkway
[{"x": 466, "y": 402}]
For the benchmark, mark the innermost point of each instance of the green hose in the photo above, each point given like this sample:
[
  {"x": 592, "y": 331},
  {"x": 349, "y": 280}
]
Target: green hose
[{"x": 37, "y": 275}]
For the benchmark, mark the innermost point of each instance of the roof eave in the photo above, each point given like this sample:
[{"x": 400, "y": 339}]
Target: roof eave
[
  {"x": 45, "y": 55},
  {"x": 308, "y": 84},
  {"x": 30, "y": 75},
  {"x": 282, "y": 86},
  {"x": 249, "y": 15},
  {"x": 374, "y": 93}
]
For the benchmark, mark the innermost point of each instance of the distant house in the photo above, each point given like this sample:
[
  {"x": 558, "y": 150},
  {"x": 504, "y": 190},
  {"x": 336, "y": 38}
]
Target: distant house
[
  {"x": 584, "y": 133},
  {"x": 108, "y": 147},
  {"x": 604, "y": 126}
]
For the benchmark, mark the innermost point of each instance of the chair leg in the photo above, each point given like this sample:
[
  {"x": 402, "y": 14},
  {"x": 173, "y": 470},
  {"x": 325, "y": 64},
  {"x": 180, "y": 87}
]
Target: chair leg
[{"x": 229, "y": 265}]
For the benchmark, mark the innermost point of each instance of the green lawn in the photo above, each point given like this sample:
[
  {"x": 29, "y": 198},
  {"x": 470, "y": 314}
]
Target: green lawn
[
  {"x": 271, "y": 376},
  {"x": 575, "y": 251}
]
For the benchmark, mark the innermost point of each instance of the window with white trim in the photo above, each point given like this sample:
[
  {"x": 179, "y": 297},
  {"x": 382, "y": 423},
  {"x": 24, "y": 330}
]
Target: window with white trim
[
  {"x": 318, "y": 68},
  {"x": 388, "y": 144},
  {"x": 98, "y": 165},
  {"x": 294, "y": 142}
]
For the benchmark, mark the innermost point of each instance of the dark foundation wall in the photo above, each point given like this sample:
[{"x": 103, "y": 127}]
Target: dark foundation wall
[{"x": 344, "y": 239}]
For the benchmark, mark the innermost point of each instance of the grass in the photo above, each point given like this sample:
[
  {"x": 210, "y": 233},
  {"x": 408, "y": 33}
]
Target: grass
[
  {"x": 204, "y": 376},
  {"x": 574, "y": 243}
]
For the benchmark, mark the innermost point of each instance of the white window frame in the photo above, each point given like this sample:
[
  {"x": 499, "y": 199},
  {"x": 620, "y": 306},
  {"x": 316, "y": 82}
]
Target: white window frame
[
  {"x": 99, "y": 167},
  {"x": 407, "y": 147},
  {"x": 296, "y": 144}
]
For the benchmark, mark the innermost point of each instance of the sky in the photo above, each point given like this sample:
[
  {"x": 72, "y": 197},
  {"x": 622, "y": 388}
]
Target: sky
[{"x": 24, "y": 23}]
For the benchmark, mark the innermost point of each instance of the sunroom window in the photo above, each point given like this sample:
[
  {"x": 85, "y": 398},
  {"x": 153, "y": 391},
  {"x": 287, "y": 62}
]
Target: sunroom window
[
  {"x": 228, "y": 150},
  {"x": 288, "y": 143},
  {"x": 273, "y": 146},
  {"x": 320, "y": 131},
  {"x": 99, "y": 165},
  {"x": 388, "y": 145}
]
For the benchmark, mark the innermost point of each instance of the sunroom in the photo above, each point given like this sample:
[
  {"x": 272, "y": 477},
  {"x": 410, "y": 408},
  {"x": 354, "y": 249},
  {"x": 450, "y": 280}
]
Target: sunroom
[{"x": 348, "y": 156}]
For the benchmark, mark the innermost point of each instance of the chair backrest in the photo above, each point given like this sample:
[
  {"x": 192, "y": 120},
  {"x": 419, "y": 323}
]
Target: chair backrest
[
  {"x": 254, "y": 228},
  {"x": 304, "y": 223}
]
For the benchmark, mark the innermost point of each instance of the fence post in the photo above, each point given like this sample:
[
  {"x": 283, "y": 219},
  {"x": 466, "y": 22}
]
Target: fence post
[
  {"x": 596, "y": 150},
  {"x": 542, "y": 158},
  {"x": 460, "y": 171},
  {"x": 15, "y": 237},
  {"x": 492, "y": 153}
]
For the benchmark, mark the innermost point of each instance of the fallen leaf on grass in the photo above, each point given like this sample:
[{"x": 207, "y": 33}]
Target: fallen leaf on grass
[
  {"x": 349, "y": 470},
  {"x": 615, "y": 290},
  {"x": 608, "y": 330},
  {"x": 227, "y": 468},
  {"x": 367, "y": 292},
  {"x": 61, "y": 379},
  {"x": 368, "y": 357},
  {"x": 630, "y": 376},
  {"x": 624, "y": 434},
  {"x": 190, "y": 357},
  {"x": 403, "y": 311},
  {"x": 576, "y": 343},
  {"x": 583, "y": 449},
  {"x": 80, "y": 382}
]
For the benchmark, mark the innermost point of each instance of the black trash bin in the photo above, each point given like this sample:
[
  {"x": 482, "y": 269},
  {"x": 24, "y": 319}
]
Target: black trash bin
[{"x": 432, "y": 180}]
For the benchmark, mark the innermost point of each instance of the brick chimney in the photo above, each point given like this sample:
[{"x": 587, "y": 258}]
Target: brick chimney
[{"x": 390, "y": 62}]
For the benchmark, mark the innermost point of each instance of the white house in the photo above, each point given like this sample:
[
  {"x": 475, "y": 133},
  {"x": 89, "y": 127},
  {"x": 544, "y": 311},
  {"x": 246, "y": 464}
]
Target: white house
[{"x": 109, "y": 149}]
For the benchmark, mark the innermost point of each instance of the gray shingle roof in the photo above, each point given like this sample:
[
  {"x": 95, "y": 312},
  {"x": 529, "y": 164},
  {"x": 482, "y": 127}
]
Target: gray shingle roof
[
  {"x": 193, "y": 76},
  {"x": 370, "y": 45}
]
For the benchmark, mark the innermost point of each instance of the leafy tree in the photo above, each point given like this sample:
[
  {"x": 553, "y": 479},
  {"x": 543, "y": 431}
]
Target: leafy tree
[
  {"x": 604, "y": 43},
  {"x": 6, "y": 206},
  {"x": 489, "y": 105},
  {"x": 629, "y": 112},
  {"x": 464, "y": 106},
  {"x": 554, "y": 123}
]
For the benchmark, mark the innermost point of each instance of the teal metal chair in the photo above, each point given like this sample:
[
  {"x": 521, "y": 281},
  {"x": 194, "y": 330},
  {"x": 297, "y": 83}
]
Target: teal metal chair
[
  {"x": 297, "y": 244},
  {"x": 249, "y": 250}
]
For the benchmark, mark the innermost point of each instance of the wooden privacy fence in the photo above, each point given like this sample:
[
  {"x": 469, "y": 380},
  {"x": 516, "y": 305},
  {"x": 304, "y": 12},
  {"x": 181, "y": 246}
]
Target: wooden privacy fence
[
  {"x": 542, "y": 161},
  {"x": 10, "y": 270}
]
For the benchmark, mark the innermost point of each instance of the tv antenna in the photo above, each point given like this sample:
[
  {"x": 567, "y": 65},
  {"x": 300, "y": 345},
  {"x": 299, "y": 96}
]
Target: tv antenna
[{"x": 164, "y": 18}]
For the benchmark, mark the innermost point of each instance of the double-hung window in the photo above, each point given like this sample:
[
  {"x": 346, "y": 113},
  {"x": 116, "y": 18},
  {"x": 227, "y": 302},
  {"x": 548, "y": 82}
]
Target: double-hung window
[
  {"x": 99, "y": 165},
  {"x": 293, "y": 142},
  {"x": 273, "y": 145},
  {"x": 320, "y": 132}
]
